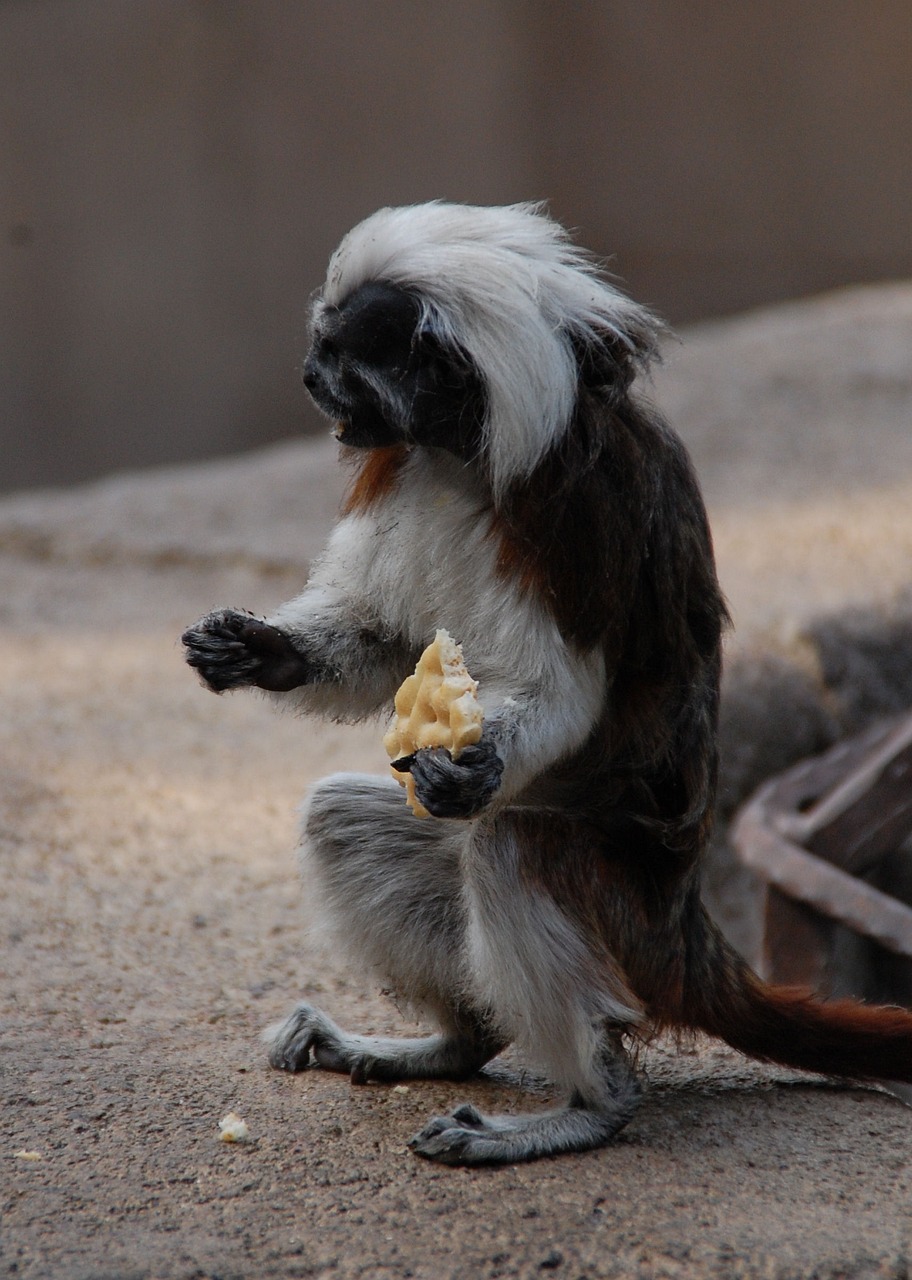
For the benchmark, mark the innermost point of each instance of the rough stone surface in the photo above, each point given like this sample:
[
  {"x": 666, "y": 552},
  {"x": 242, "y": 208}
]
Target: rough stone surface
[{"x": 152, "y": 923}]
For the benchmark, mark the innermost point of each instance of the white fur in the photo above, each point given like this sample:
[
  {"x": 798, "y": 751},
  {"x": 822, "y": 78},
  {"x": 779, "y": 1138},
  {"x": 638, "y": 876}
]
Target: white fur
[
  {"x": 389, "y": 886},
  {"x": 508, "y": 287},
  {"x": 529, "y": 963},
  {"x": 398, "y": 572}
]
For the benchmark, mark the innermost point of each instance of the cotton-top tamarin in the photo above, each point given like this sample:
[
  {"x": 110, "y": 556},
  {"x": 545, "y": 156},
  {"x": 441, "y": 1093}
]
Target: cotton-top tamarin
[{"x": 512, "y": 488}]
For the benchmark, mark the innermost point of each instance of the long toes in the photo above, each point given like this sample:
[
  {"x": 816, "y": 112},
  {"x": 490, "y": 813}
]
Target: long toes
[
  {"x": 364, "y": 1068},
  {"x": 290, "y": 1042},
  {"x": 467, "y": 1114},
  {"x": 438, "y": 1125},
  {"x": 330, "y": 1057},
  {"x": 296, "y": 1054},
  {"x": 276, "y": 1056},
  {"x": 445, "y": 1142},
  {"x": 292, "y": 1052}
]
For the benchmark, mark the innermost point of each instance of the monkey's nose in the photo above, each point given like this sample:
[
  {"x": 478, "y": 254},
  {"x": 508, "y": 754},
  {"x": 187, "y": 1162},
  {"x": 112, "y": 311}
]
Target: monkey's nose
[{"x": 310, "y": 376}]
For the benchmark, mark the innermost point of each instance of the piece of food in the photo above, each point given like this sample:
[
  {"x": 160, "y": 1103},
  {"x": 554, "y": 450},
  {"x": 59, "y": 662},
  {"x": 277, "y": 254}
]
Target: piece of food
[
  {"x": 435, "y": 707},
  {"x": 233, "y": 1128}
]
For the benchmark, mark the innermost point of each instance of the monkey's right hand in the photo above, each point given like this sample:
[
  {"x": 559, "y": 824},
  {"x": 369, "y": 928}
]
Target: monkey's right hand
[
  {"x": 230, "y": 649},
  {"x": 458, "y": 788}
]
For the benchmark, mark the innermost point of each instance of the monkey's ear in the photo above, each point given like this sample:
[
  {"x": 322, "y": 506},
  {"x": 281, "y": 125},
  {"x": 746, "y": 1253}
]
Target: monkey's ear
[
  {"x": 435, "y": 344},
  {"x": 611, "y": 360},
  {"x": 432, "y": 330}
]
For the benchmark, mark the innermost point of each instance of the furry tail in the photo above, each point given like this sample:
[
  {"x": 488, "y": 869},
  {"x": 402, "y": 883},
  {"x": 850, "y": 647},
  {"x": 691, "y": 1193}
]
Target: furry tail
[{"x": 789, "y": 1025}]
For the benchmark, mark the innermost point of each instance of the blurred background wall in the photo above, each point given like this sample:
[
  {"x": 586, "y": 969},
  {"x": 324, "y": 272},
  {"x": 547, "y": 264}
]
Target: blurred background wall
[{"x": 175, "y": 173}]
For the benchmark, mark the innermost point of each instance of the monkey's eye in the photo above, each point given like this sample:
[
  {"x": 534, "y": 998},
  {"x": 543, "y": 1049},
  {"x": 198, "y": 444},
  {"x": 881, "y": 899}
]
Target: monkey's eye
[
  {"x": 327, "y": 349},
  {"x": 439, "y": 360}
]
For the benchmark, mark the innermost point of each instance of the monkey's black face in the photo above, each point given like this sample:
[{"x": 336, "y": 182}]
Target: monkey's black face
[{"x": 386, "y": 379}]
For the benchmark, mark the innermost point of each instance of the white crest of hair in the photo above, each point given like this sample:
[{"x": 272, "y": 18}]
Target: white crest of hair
[{"x": 508, "y": 287}]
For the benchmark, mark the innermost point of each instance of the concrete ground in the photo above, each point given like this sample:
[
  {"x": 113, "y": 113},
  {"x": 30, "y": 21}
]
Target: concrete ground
[{"x": 152, "y": 923}]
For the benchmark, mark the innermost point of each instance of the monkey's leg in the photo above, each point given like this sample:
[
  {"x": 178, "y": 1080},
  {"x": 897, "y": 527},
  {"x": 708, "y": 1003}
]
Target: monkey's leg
[
  {"x": 539, "y": 962},
  {"x": 452, "y": 1055},
  {"x": 391, "y": 885},
  {"x": 590, "y": 1120}
]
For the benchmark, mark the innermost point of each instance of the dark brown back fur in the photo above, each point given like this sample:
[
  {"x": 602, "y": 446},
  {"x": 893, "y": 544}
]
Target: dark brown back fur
[{"x": 611, "y": 534}]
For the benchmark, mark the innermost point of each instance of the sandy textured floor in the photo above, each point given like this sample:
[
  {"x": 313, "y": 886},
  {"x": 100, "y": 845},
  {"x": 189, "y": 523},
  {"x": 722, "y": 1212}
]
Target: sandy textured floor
[{"x": 152, "y": 923}]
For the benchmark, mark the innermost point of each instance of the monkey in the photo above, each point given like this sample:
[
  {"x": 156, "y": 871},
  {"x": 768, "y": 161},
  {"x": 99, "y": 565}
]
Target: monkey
[{"x": 513, "y": 485}]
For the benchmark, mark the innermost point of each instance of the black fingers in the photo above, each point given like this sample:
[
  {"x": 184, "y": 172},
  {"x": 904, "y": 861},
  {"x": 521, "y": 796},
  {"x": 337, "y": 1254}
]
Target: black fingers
[
  {"x": 457, "y": 788},
  {"x": 230, "y": 649},
  {"x": 214, "y": 649}
]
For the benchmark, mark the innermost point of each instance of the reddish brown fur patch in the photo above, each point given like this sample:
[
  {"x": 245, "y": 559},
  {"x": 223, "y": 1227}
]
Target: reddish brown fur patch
[
  {"x": 377, "y": 475},
  {"x": 838, "y": 1037}
]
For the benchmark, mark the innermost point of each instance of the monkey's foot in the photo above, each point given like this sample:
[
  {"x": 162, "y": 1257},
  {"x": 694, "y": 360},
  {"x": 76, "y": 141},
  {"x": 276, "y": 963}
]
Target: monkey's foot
[
  {"x": 467, "y": 1137},
  {"x": 231, "y": 649},
  {"x": 308, "y": 1031}
]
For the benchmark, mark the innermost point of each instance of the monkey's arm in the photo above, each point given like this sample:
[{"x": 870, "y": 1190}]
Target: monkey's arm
[
  {"x": 319, "y": 651},
  {"x": 332, "y": 650}
]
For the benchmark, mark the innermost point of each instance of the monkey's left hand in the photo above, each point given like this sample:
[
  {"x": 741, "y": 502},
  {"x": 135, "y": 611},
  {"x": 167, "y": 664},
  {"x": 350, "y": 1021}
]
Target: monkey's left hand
[
  {"x": 457, "y": 788},
  {"x": 230, "y": 649}
]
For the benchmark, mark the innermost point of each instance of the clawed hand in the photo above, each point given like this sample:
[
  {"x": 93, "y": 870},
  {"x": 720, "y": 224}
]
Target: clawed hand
[
  {"x": 458, "y": 788},
  {"x": 231, "y": 649}
]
